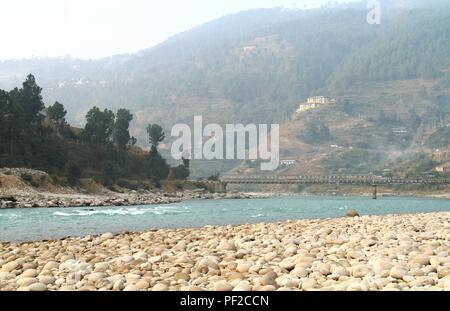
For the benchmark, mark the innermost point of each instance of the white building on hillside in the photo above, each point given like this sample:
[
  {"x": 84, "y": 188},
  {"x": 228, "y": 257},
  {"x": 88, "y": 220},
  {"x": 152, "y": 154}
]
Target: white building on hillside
[
  {"x": 321, "y": 100},
  {"x": 288, "y": 162},
  {"x": 315, "y": 103}
]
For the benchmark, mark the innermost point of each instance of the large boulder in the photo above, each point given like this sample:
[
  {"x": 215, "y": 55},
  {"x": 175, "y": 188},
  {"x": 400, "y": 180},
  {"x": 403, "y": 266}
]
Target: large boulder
[{"x": 352, "y": 213}]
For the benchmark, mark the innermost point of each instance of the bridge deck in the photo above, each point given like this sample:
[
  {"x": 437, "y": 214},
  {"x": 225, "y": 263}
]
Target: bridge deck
[{"x": 333, "y": 179}]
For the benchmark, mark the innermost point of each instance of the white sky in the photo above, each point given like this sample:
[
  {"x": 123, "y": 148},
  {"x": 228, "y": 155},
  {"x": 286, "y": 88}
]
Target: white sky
[{"x": 97, "y": 28}]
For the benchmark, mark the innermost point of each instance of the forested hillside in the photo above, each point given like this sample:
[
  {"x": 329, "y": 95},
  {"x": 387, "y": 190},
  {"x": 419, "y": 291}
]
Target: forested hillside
[
  {"x": 39, "y": 137},
  {"x": 251, "y": 66}
]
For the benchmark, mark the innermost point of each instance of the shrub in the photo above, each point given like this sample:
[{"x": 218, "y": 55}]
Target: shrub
[
  {"x": 122, "y": 183},
  {"x": 35, "y": 184},
  {"x": 27, "y": 177},
  {"x": 132, "y": 185},
  {"x": 72, "y": 172},
  {"x": 179, "y": 173},
  {"x": 61, "y": 181},
  {"x": 214, "y": 177},
  {"x": 201, "y": 185}
]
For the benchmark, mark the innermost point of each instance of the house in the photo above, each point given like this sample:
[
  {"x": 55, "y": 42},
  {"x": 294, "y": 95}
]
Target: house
[
  {"x": 250, "y": 48},
  {"x": 441, "y": 155},
  {"x": 306, "y": 107},
  {"x": 314, "y": 103},
  {"x": 288, "y": 162},
  {"x": 321, "y": 100},
  {"x": 442, "y": 169},
  {"x": 400, "y": 130}
]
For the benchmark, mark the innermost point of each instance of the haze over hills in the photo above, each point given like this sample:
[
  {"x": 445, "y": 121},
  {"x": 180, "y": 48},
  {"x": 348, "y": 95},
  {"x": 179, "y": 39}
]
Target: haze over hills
[{"x": 259, "y": 65}]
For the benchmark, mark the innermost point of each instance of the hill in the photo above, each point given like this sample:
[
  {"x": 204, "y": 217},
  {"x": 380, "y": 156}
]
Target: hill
[{"x": 259, "y": 65}]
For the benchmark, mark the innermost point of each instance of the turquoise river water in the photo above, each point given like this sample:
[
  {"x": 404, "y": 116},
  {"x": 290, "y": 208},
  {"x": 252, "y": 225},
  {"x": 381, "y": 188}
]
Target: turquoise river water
[{"x": 47, "y": 223}]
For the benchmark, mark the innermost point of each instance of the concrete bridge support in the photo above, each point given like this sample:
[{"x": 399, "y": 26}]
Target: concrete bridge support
[{"x": 220, "y": 187}]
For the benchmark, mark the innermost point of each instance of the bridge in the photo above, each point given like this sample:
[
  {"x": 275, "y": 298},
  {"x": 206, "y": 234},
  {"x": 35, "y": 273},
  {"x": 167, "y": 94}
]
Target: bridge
[{"x": 369, "y": 180}]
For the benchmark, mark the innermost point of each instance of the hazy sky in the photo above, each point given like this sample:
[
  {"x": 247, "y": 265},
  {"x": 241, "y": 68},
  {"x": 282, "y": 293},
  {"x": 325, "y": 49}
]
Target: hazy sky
[{"x": 97, "y": 28}]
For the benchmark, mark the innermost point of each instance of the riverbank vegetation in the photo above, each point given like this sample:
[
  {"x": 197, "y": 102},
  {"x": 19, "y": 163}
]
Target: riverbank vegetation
[{"x": 39, "y": 137}]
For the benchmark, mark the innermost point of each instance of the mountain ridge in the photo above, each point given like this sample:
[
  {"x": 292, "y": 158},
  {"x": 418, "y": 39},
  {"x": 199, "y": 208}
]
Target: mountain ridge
[{"x": 257, "y": 66}]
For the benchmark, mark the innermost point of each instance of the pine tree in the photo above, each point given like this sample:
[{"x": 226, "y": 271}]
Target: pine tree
[
  {"x": 99, "y": 126},
  {"x": 155, "y": 134},
  {"x": 121, "y": 134}
]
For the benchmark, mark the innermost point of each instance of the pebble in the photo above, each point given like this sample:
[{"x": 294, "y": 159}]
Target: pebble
[
  {"x": 360, "y": 271},
  {"x": 131, "y": 288},
  {"x": 309, "y": 284},
  {"x": 287, "y": 264},
  {"x": 367, "y": 253},
  {"x": 420, "y": 259},
  {"x": 38, "y": 287},
  {"x": 101, "y": 267},
  {"x": 182, "y": 276},
  {"x": 47, "y": 280},
  {"x": 243, "y": 267},
  {"x": 269, "y": 279},
  {"x": 118, "y": 285},
  {"x": 270, "y": 256},
  {"x": 398, "y": 272},
  {"x": 222, "y": 286},
  {"x": 28, "y": 273},
  {"x": 243, "y": 286},
  {"x": 160, "y": 288},
  {"x": 51, "y": 265},
  {"x": 352, "y": 213},
  {"x": 10, "y": 266},
  {"x": 24, "y": 282}
]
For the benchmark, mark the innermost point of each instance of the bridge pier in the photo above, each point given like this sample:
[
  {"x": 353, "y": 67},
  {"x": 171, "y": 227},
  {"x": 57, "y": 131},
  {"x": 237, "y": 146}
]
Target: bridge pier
[{"x": 220, "y": 187}]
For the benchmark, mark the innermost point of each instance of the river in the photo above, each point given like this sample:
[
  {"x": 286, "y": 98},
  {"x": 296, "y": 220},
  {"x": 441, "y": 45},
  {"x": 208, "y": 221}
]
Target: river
[{"x": 48, "y": 223}]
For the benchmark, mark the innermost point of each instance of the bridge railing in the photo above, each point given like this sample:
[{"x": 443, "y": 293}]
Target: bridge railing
[{"x": 331, "y": 179}]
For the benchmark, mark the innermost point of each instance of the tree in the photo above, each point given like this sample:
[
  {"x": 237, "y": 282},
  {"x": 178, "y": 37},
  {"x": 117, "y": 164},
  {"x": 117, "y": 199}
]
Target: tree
[
  {"x": 157, "y": 166},
  {"x": 29, "y": 102},
  {"x": 181, "y": 172},
  {"x": 186, "y": 162},
  {"x": 416, "y": 120},
  {"x": 6, "y": 128},
  {"x": 22, "y": 130},
  {"x": 99, "y": 126},
  {"x": 57, "y": 113},
  {"x": 155, "y": 134},
  {"x": 29, "y": 140},
  {"x": 109, "y": 173},
  {"x": 5, "y": 114},
  {"x": 72, "y": 172},
  {"x": 121, "y": 134},
  {"x": 316, "y": 133}
]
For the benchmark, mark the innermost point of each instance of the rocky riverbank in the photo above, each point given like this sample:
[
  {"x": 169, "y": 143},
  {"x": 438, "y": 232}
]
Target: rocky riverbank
[
  {"x": 119, "y": 199},
  {"x": 394, "y": 252},
  {"x": 17, "y": 191}
]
